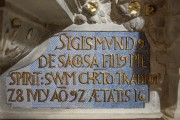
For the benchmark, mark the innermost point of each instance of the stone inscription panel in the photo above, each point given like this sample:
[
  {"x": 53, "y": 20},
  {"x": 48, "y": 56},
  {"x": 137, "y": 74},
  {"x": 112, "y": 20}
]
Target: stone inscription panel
[{"x": 85, "y": 70}]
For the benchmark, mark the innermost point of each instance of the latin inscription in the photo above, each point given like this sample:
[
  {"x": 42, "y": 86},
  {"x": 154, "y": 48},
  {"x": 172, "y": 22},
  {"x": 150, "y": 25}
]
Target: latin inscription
[{"x": 86, "y": 70}]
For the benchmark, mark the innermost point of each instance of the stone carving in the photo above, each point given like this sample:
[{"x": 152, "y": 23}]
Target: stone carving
[
  {"x": 129, "y": 13},
  {"x": 157, "y": 18},
  {"x": 91, "y": 7},
  {"x": 16, "y": 23},
  {"x": 135, "y": 24},
  {"x": 80, "y": 19},
  {"x": 150, "y": 9},
  {"x": 92, "y": 12},
  {"x": 18, "y": 39}
]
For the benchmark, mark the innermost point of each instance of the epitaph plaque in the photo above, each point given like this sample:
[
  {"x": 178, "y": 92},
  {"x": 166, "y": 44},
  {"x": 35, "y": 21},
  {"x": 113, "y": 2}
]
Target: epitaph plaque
[{"x": 85, "y": 70}]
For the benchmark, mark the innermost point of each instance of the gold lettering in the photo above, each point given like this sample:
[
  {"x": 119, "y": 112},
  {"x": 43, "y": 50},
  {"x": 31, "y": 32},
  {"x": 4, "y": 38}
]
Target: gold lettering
[
  {"x": 62, "y": 41},
  {"x": 95, "y": 96}
]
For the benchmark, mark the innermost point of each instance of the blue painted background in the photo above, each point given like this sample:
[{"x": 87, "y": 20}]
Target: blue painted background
[{"x": 126, "y": 69}]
